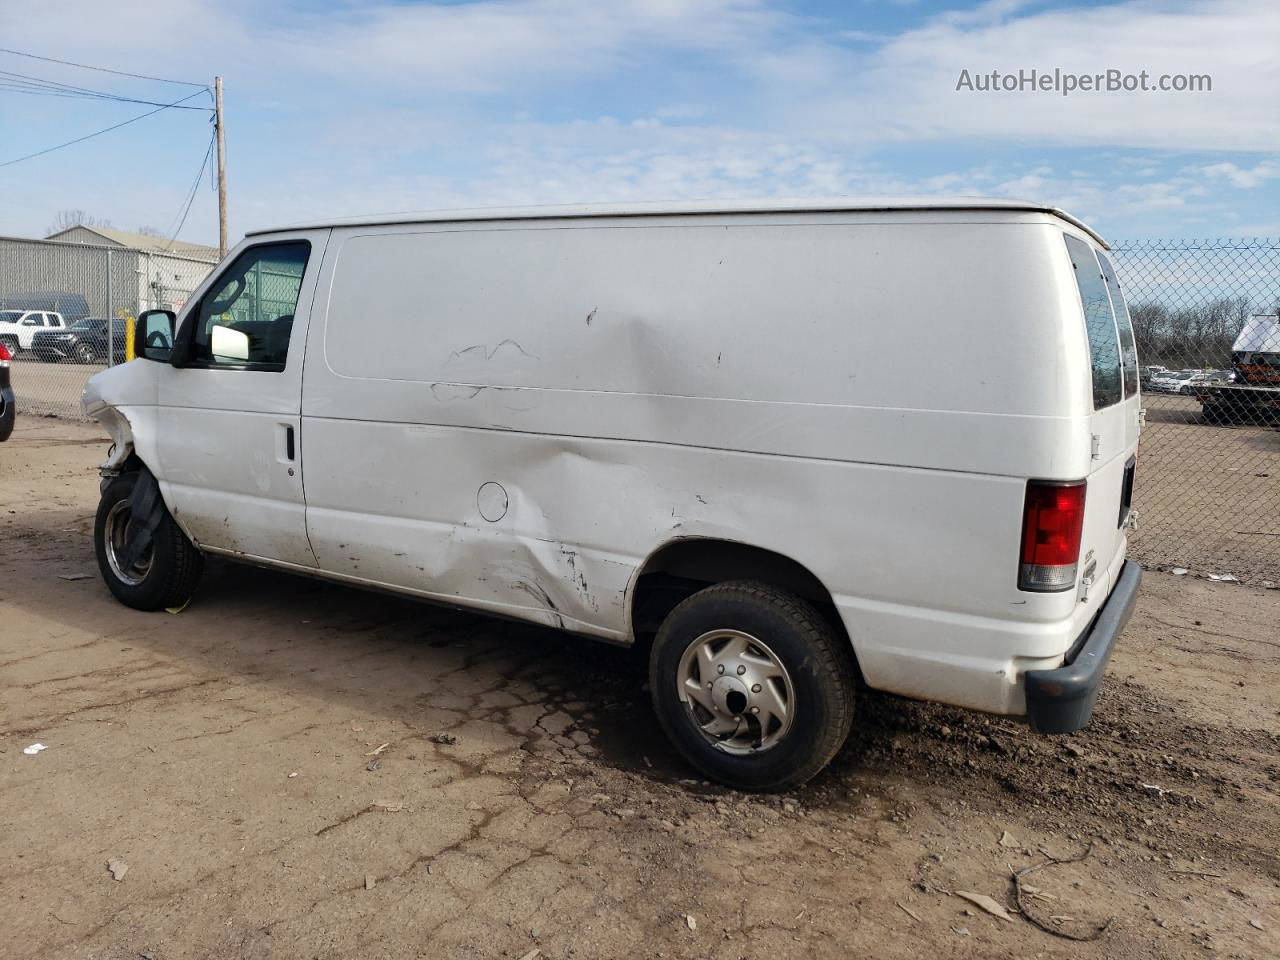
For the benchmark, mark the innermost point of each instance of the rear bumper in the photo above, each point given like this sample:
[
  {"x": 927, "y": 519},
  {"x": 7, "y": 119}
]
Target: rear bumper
[{"x": 1062, "y": 700}]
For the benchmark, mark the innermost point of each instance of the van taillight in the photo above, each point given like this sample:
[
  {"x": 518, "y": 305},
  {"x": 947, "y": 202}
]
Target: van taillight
[
  {"x": 1051, "y": 524},
  {"x": 5, "y": 356}
]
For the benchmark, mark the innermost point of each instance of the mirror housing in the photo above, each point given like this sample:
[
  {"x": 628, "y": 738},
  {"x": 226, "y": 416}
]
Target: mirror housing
[
  {"x": 153, "y": 335},
  {"x": 226, "y": 343}
]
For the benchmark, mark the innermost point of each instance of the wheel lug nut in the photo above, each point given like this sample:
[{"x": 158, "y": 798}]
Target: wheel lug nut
[
  {"x": 755, "y": 709},
  {"x": 741, "y": 671},
  {"x": 755, "y": 688},
  {"x": 720, "y": 669}
]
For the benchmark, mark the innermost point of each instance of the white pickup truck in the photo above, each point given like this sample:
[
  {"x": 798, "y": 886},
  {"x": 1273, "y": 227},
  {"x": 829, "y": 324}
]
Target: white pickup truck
[{"x": 19, "y": 327}]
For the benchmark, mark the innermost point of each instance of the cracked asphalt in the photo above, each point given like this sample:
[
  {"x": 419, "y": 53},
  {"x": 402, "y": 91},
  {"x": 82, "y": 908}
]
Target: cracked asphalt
[{"x": 295, "y": 769}]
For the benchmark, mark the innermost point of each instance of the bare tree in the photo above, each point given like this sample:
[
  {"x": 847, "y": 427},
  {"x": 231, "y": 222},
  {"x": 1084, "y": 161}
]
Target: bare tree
[
  {"x": 1150, "y": 326},
  {"x": 67, "y": 219},
  {"x": 1191, "y": 336}
]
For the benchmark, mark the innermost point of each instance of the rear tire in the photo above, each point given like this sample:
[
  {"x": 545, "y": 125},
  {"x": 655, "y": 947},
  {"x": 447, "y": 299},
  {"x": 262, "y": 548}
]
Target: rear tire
[
  {"x": 165, "y": 575},
  {"x": 1218, "y": 415},
  {"x": 790, "y": 657}
]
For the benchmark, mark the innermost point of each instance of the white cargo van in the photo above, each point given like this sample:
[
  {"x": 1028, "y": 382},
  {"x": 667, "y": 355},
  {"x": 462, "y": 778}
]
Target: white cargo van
[{"x": 798, "y": 446}]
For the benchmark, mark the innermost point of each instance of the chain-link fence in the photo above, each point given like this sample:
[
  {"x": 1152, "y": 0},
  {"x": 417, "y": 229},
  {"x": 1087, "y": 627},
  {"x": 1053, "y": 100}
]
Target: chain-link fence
[
  {"x": 1208, "y": 481},
  {"x": 64, "y": 309},
  {"x": 1203, "y": 311}
]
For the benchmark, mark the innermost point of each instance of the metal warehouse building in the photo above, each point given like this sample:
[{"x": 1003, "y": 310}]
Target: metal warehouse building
[{"x": 100, "y": 271}]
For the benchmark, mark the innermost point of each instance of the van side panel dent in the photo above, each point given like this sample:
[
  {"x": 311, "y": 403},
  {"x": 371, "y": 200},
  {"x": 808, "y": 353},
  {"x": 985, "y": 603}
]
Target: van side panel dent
[
  {"x": 716, "y": 393},
  {"x": 733, "y": 336}
]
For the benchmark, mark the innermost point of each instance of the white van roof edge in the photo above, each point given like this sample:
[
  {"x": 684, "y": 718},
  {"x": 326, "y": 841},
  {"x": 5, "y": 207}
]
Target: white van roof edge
[{"x": 687, "y": 207}]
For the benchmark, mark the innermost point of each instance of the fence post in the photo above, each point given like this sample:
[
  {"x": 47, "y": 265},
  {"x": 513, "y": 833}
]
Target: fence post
[{"x": 111, "y": 320}]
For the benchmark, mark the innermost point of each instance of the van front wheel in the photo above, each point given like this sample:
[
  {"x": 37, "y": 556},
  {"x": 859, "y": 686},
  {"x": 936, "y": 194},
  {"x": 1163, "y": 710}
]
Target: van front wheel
[
  {"x": 752, "y": 685},
  {"x": 146, "y": 561}
]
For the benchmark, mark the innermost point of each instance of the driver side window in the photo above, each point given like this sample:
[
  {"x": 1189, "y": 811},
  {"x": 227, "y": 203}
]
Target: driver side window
[{"x": 246, "y": 319}]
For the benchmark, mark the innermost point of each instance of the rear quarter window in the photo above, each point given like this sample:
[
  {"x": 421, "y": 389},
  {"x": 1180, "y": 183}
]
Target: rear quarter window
[
  {"x": 1100, "y": 324},
  {"x": 1128, "y": 350}
]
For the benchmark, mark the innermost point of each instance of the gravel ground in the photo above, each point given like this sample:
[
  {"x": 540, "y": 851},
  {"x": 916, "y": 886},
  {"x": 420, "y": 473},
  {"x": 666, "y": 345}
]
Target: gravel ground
[
  {"x": 49, "y": 388},
  {"x": 293, "y": 769}
]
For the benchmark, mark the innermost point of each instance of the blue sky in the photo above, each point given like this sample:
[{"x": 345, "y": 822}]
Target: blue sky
[{"x": 343, "y": 107}]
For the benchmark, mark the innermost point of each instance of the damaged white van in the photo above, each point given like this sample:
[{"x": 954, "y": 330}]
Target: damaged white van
[{"x": 800, "y": 447}]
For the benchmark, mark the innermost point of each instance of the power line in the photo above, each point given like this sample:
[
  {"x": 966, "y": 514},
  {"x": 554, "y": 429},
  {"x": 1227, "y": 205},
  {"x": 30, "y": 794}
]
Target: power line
[
  {"x": 191, "y": 195},
  {"x": 39, "y": 86},
  {"x": 119, "y": 73},
  {"x": 98, "y": 133}
]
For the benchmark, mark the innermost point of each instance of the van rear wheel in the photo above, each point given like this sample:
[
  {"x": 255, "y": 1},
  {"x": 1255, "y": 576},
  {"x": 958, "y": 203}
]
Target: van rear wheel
[
  {"x": 146, "y": 561},
  {"x": 752, "y": 685}
]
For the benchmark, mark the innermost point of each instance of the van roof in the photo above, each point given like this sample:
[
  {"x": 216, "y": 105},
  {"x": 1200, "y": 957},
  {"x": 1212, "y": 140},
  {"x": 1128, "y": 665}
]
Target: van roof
[{"x": 693, "y": 207}]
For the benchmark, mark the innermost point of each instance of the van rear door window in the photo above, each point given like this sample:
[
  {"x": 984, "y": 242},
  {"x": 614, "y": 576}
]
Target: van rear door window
[
  {"x": 1104, "y": 343},
  {"x": 1128, "y": 350}
]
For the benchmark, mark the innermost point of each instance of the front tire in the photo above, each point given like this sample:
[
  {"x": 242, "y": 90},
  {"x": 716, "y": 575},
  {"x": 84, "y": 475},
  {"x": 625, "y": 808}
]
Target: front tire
[
  {"x": 164, "y": 574},
  {"x": 752, "y": 685},
  {"x": 85, "y": 353}
]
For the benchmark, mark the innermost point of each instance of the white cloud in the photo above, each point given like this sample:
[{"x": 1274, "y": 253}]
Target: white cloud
[
  {"x": 1028, "y": 185},
  {"x": 906, "y": 90},
  {"x": 793, "y": 74},
  {"x": 490, "y": 46},
  {"x": 1245, "y": 178},
  {"x": 394, "y": 106}
]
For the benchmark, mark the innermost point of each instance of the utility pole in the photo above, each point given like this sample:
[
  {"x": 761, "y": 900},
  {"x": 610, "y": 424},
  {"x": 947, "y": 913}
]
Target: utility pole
[{"x": 220, "y": 130}]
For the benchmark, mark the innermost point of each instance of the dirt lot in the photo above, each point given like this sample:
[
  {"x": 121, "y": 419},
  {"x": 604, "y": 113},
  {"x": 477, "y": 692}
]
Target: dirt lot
[
  {"x": 269, "y": 765},
  {"x": 1208, "y": 495},
  {"x": 50, "y": 387}
]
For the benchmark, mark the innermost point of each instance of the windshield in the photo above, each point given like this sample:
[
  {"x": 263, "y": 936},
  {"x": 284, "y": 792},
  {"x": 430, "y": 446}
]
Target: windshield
[
  {"x": 86, "y": 324},
  {"x": 10, "y": 316}
]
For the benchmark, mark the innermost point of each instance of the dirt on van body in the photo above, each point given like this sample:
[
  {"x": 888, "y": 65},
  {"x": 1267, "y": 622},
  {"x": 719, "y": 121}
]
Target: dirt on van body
[{"x": 292, "y": 769}]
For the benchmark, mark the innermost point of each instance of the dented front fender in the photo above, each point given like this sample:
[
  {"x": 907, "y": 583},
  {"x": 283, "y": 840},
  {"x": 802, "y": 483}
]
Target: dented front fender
[{"x": 124, "y": 400}]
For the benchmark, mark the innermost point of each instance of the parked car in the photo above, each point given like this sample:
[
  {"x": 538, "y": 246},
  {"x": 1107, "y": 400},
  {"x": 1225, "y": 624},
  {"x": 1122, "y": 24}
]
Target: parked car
[
  {"x": 8, "y": 407},
  {"x": 1193, "y": 382},
  {"x": 70, "y": 306},
  {"x": 85, "y": 341},
  {"x": 18, "y": 328},
  {"x": 670, "y": 425},
  {"x": 1170, "y": 382}
]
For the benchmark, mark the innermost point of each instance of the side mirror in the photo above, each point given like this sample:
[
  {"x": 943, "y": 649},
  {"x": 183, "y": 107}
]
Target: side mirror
[
  {"x": 228, "y": 344},
  {"x": 153, "y": 335}
]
